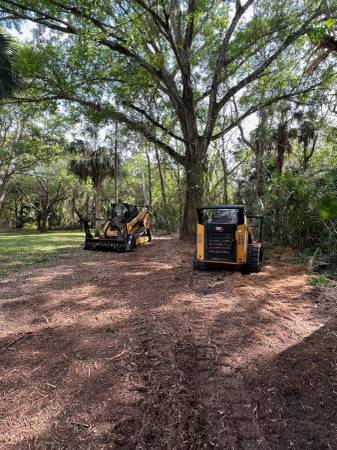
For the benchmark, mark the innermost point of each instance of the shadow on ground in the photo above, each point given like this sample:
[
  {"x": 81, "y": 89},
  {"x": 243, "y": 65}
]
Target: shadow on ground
[
  {"x": 296, "y": 393},
  {"x": 135, "y": 351}
]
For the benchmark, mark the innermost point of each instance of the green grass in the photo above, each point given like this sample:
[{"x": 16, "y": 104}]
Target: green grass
[
  {"x": 20, "y": 249},
  {"x": 320, "y": 280}
]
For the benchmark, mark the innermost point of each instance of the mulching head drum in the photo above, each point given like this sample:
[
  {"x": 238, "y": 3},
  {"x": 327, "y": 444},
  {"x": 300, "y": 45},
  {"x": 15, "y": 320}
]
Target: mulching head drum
[{"x": 108, "y": 245}]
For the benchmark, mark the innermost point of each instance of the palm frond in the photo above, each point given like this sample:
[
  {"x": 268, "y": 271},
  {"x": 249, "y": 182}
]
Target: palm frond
[{"x": 9, "y": 80}]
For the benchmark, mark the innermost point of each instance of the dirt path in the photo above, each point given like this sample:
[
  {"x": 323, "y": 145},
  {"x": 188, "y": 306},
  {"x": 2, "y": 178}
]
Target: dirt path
[{"x": 136, "y": 351}]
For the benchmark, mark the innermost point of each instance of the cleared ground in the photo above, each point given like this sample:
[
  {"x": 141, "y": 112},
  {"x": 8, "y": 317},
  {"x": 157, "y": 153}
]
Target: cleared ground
[{"x": 137, "y": 351}]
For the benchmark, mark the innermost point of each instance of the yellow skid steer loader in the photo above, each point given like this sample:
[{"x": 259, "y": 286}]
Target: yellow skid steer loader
[
  {"x": 228, "y": 238},
  {"x": 127, "y": 227}
]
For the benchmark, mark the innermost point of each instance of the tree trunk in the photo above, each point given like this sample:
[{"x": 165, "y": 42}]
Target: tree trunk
[
  {"x": 19, "y": 216},
  {"x": 307, "y": 154},
  {"x": 149, "y": 177},
  {"x": 98, "y": 194},
  {"x": 282, "y": 146},
  {"x": 144, "y": 189},
  {"x": 180, "y": 194},
  {"x": 259, "y": 150},
  {"x": 163, "y": 194},
  {"x": 225, "y": 171},
  {"x": 259, "y": 168},
  {"x": 194, "y": 187},
  {"x": 225, "y": 181},
  {"x": 87, "y": 205},
  {"x": 3, "y": 186},
  {"x": 116, "y": 163},
  {"x": 38, "y": 221},
  {"x": 44, "y": 222}
]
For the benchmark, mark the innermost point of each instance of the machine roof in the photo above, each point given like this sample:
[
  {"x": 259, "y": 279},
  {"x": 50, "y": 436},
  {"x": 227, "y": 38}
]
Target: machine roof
[{"x": 222, "y": 207}]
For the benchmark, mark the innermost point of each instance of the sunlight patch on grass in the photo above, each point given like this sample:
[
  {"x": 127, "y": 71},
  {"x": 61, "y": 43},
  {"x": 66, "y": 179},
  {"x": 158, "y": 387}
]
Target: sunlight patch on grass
[{"x": 21, "y": 249}]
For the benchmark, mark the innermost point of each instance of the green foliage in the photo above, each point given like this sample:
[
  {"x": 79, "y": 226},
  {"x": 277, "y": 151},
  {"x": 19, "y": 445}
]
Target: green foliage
[
  {"x": 328, "y": 208},
  {"x": 151, "y": 78},
  {"x": 9, "y": 80},
  {"x": 293, "y": 215},
  {"x": 96, "y": 165},
  {"x": 134, "y": 188},
  {"x": 299, "y": 259},
  {"x": 320, "y": 280}
]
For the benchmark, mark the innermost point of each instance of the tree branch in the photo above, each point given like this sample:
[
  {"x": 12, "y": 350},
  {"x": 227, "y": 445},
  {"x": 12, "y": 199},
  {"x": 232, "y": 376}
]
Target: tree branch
[
  {"x": 255, "y": 108},
  {"x": 154, "y": 122},
  {"x": 259, "y": 71},
  {"x": 190, "y": 24},
  {"x": 212, "y": 112},
  {"x": 160, "y": 74},
  {"x": 77, "y": 12},
  {"x": 42, "y": 18},
  {"x": 131, "y": 124}
]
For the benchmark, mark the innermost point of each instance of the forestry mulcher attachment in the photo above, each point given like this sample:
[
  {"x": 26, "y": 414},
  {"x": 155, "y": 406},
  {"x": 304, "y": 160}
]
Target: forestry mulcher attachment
[
  {"x": 127, "y": 227},
  {"x": 228, "y": 238}
]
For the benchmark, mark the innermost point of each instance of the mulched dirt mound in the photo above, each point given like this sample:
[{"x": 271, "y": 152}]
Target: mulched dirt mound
[{"x": 137, "y": 351}]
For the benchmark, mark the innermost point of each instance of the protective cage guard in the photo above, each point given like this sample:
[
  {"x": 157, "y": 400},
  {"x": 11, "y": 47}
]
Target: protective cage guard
[{"x": 228, "y": 238}]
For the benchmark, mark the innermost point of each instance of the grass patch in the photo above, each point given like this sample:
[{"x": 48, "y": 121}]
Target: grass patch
[
  {"x": 25, "y": 248},
  {"x": 304, "y": 257},
  {"x": 320, "y": 280},
  {"x": 299, "y": 259}
]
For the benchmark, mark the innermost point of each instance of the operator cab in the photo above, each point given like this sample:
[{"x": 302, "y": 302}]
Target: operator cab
[
  {"x": 123, "y": 212},
  {"x": 223, "y": 215}
]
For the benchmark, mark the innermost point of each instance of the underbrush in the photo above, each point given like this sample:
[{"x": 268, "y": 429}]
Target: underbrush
[
  {"x": 322, "y": 261},
  {"x": 320, "y": 280}
]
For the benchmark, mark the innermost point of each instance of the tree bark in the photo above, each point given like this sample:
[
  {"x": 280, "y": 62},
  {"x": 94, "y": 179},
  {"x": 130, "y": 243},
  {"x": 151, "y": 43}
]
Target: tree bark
[
  {"x": 19, "y": 216},
  {"x": 163, "y": 194},
  {"x": 282, "y": 145},
  {"x": 225, "y": 171},
  {"x": 180, "y": 193},
  {"x": 144, "y": 188},
  {"x": 225, "y": 181},
  {"x": 3, "y": 186},
  {"x": 149, "y": 177},
  {"x": 44, "y": 222},
  {"x": 259, "y": 168},
  {"x": 98, "y": 195},
  {"x": 307, "y": 155},
  {"x": 38, "y": 221},
  {"x": 116, "y": 163},
  {"x": 259, "y": 150},
  {"x": 194, "y": 187}
]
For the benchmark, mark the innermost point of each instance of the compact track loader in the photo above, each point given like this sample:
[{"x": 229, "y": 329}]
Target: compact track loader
[
  {"x": 127, "y": 227},
  {"x": 228, "y": 238}
]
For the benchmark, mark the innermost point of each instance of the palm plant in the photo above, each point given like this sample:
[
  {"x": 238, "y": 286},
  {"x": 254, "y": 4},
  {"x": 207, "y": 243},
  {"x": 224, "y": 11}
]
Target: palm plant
[
  {"x": 8, "y": 74},
  {"x": 96, "y": 165}
]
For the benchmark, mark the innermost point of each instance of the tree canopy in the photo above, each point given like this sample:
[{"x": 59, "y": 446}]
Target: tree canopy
[{"x": 200, "y": 89}]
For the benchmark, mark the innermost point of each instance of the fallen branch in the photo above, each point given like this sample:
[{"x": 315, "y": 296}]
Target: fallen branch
[
  {"x": 80, "y": 424},
  {"x": 3, "y": 347}
]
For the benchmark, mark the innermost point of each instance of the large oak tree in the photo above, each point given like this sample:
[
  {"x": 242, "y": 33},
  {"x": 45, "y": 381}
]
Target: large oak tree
[{"x": 175, "y": 65}]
